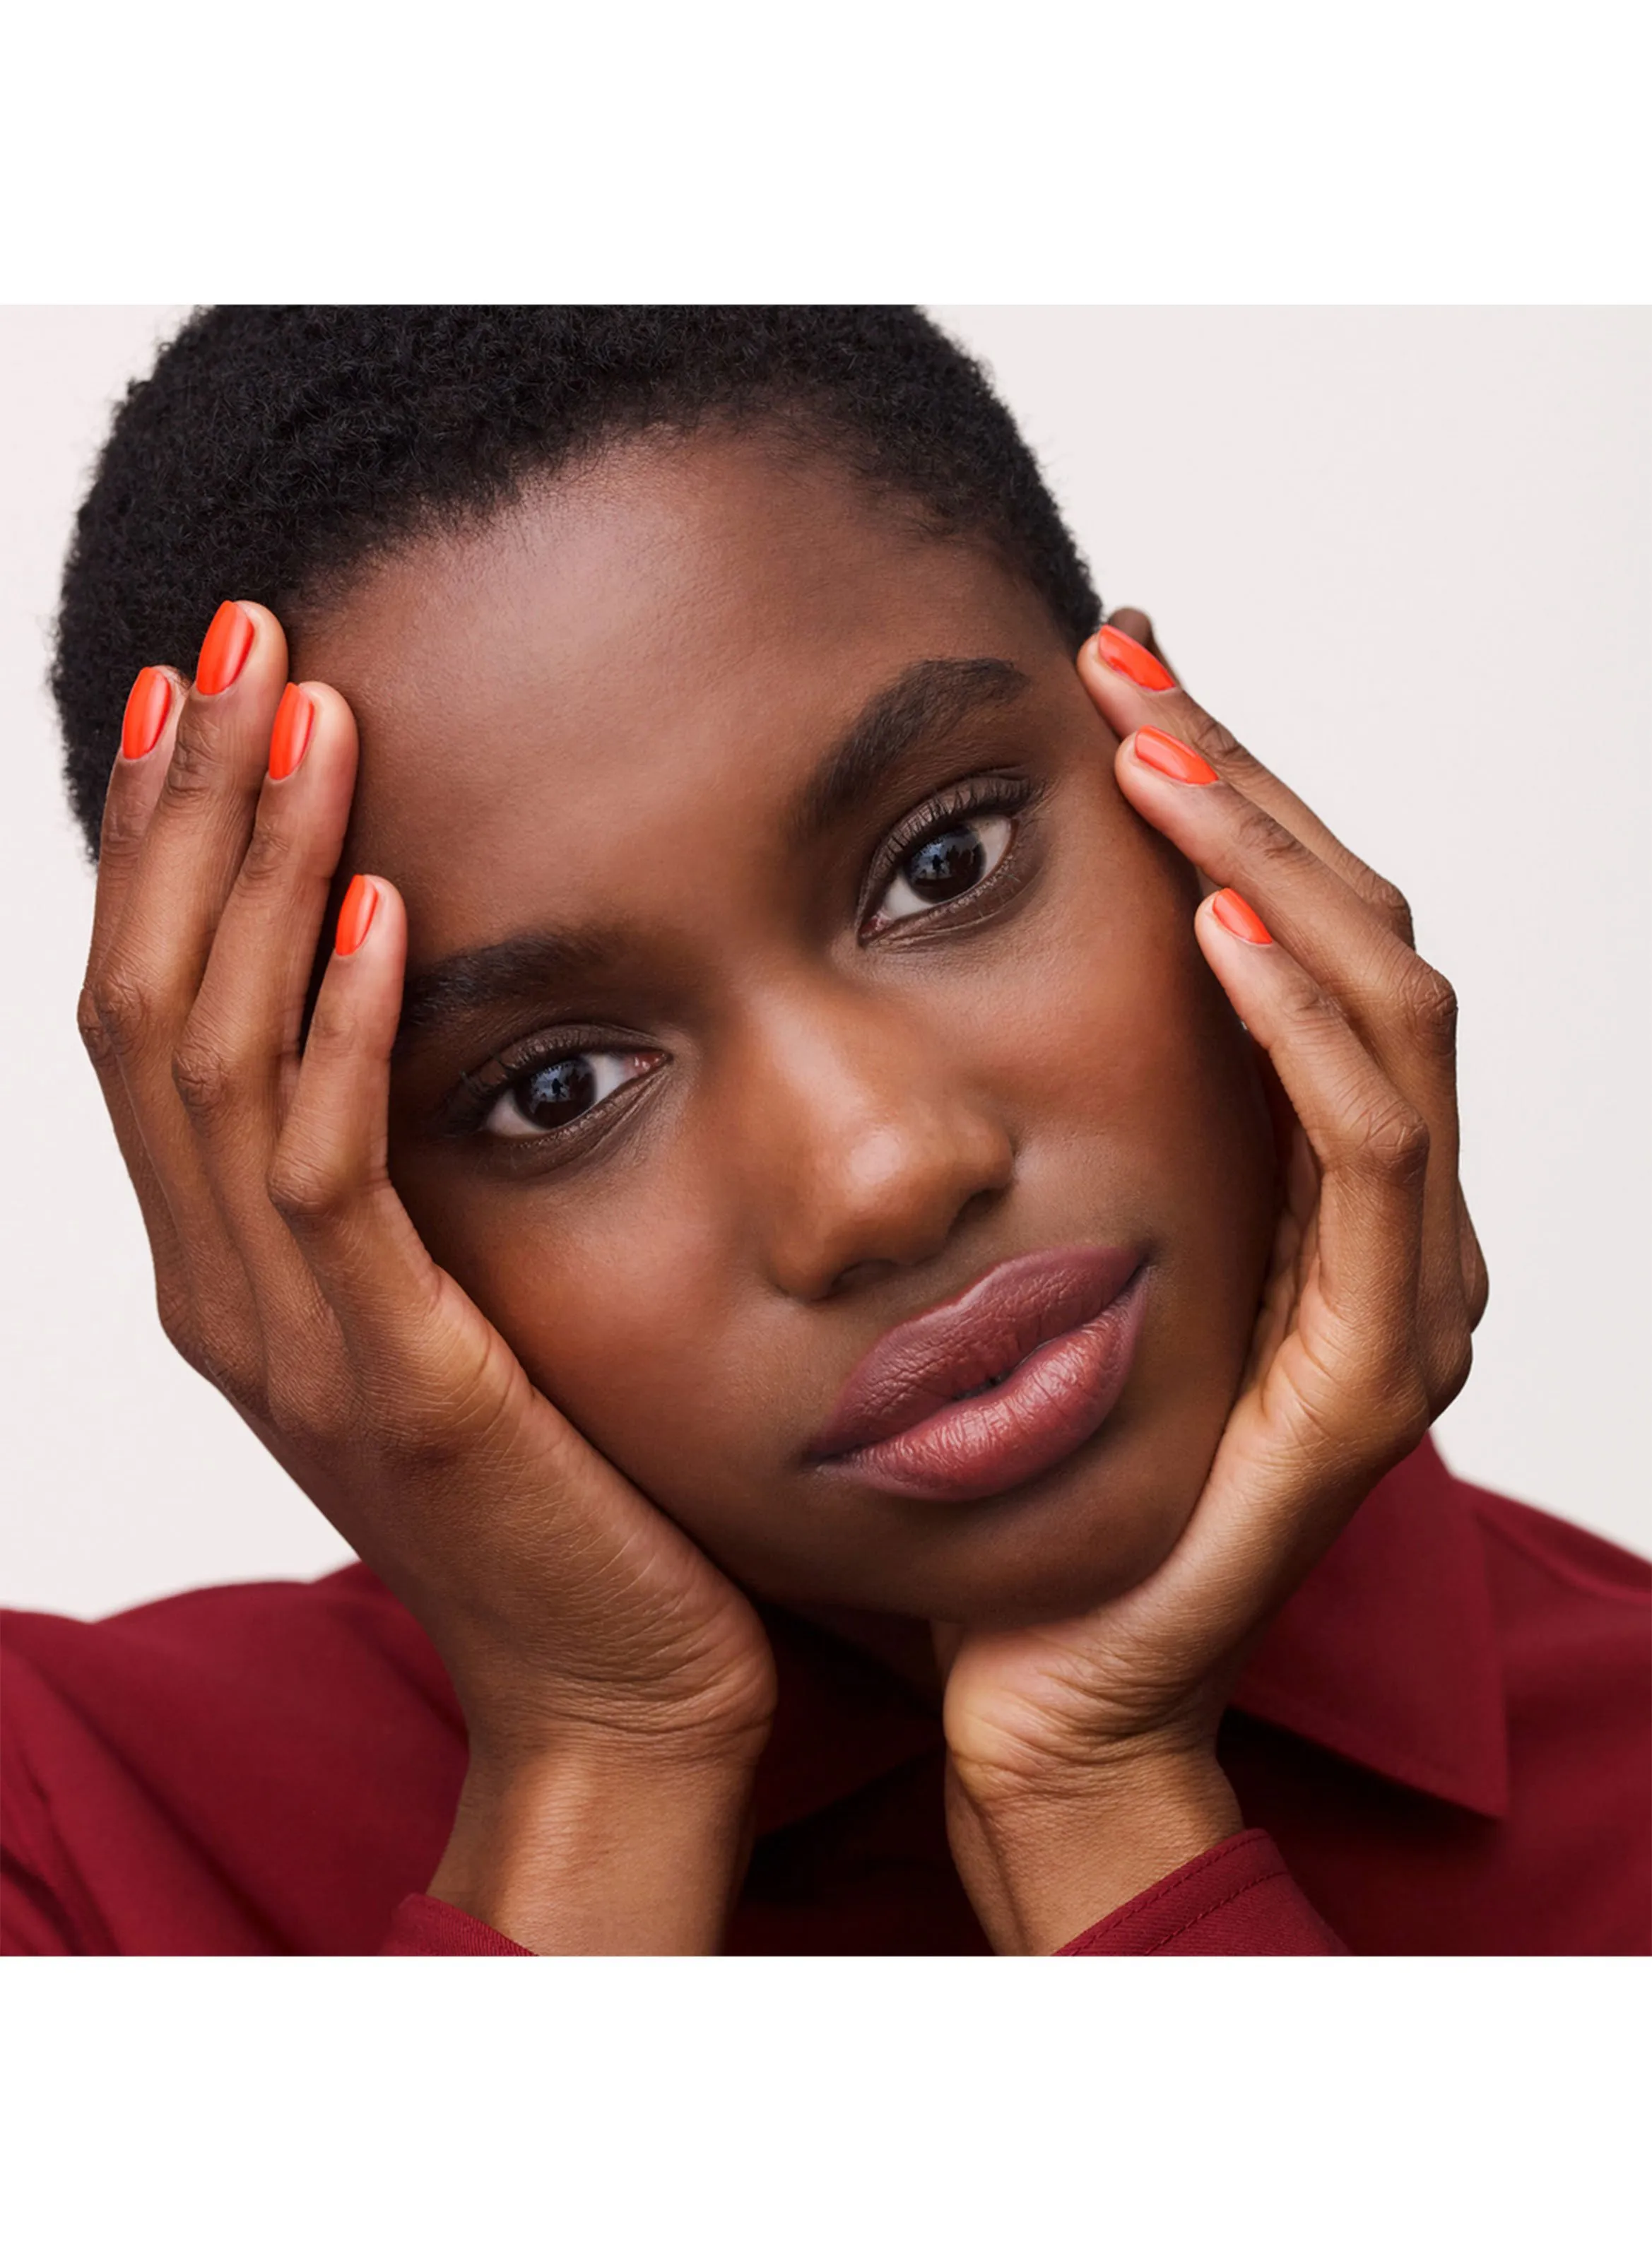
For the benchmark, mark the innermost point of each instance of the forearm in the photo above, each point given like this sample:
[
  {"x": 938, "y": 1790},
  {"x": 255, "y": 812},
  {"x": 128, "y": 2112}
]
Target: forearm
[
  {"x": 602, "y": 1852},
  {"x": 1042, "y": 1866}
]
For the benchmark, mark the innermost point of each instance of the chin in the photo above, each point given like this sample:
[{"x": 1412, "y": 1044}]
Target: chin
[{"x": 1081, "y": 1536}]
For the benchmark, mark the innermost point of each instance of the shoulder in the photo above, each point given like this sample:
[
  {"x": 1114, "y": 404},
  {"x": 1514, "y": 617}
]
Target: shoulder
[
  {"x": 1544, "y": 1555},
  {"x": 265, "y": 1638},
  {"x": 1569, "y": 1606},
  {"x": 223, "y": 1666},
  {"x": 236, "y": 1770}
]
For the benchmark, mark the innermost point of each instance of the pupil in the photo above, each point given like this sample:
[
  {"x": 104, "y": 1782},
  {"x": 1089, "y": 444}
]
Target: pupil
[
  {"x": 947, "y": 864},
  {"x": 559, "y": 1092}
]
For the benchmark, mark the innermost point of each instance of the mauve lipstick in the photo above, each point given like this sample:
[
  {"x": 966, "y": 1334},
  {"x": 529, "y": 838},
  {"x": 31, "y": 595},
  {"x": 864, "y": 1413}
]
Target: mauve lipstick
[{"x": 1052, "y": 1335}]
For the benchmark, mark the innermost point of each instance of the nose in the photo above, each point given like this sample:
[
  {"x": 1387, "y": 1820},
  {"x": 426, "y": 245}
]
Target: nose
[{"x": 865, "y": 1143}]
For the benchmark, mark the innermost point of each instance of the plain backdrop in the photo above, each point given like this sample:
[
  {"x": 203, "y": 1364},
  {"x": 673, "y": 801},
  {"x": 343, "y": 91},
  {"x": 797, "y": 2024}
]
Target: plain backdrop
[{"x": 1406, "y": 554}]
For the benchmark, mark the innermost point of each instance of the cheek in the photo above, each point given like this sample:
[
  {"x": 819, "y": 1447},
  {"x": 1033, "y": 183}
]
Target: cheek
[
  {"x": 1110, "y": 1029},
  {"x": 614, "y": 1306}
]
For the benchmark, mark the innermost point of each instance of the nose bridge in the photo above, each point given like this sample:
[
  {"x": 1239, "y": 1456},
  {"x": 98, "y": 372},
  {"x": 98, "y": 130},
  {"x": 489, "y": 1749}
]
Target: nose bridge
[{"x": 862, "y": 1139}]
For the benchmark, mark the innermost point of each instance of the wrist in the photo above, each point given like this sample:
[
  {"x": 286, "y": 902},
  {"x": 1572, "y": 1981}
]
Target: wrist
[
  {"x": 600, "y": 1847},
  {"x": 1044, "y": 1860}
]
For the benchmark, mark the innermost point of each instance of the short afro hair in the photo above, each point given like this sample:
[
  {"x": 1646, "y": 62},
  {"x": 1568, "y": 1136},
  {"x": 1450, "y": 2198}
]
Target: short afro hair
[{"x": 273, "y": 447}]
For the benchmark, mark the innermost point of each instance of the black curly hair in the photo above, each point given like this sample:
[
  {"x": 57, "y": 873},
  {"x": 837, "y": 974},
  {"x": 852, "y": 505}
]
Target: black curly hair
[{"x": 273, "y": 447}]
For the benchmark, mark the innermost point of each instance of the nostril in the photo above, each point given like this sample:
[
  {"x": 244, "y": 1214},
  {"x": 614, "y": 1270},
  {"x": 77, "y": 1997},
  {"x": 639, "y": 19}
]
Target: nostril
[{"x": 862, "y": 1275}]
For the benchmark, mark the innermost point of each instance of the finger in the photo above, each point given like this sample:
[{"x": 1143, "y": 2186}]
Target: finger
[
  {"x": 1131, "y": 687},
  {"x": 1365, "y": 1383},
  {"x": 1400, "y": 1004},
  {"x": 1134, "y": 623},
  {"x": 415, "y": 1342},
  {"x": 181, "y": 872},
  {"x": 138, "y": 770},
  {"x": 140, "y": 766},
  {"x": 1404, "y": 1009},
  {"x": 444, "y": 1380},
  {"x": 237, "y": 1063},
  {"x": 198, "y": 831}
]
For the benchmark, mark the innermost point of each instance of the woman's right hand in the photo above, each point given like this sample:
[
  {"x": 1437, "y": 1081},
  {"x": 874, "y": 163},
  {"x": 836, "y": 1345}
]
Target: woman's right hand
[{"x": 617, "y": 1688}]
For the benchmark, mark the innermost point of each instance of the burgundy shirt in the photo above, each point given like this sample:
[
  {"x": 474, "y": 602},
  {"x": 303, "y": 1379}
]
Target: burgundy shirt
[{"x": 1443, "y": 1746}]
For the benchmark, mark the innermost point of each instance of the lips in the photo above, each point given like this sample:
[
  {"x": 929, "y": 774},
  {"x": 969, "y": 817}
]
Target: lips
[{"x": 996, "y": 1386}]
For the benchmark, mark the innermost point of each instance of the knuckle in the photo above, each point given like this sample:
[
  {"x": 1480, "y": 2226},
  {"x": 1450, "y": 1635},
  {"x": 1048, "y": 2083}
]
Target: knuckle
[
  {"x": 1263, "y": 840},
  {"x": 124, "y": 824},
  {"x": 212, "y": 1341},
  {"x": 269, "y": 856},
  {"x": 94, "y": 1034},
  {"x": 1314, "y": 1013},
  {"x": 1390, "y": 906},
  {"x": 175, "y": 1307},
  {"x": 1216, "y": 742},
  {"x": 204, "y": 1077},
  {"x": 121, "y": 1007},
  {"x": 195, "y": 771},
  {"x": 1393, "y": 1138},
  {"x": 1430, "y": 1006},
  {"x": 235, "y": 1375},
  {"x": 1414, "y": 1412},
  {"x": 1476, "y": 1280},
  {"x": 1454, "y": 1369},
  {"x": 317, "y": 1412},
  {"x": 304, "y": 1191}
]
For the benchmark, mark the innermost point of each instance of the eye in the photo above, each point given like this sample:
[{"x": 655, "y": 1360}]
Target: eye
[
  {"x": 555, "y": 1093},
  {"x": 946, "y": 863}
]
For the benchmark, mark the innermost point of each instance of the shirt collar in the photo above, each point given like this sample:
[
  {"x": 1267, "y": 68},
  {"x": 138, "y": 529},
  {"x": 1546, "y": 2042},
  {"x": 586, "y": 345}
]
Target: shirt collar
[
  {"x": 1386, "y": 1655},
  {"x": 1387, "y": 1652}
]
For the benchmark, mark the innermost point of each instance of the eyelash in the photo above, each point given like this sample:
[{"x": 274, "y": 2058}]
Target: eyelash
[
  {"x": 467, "y": 1111},
  {"x": 475, "y": 1100},
  {"x": 976, "y": 796}
]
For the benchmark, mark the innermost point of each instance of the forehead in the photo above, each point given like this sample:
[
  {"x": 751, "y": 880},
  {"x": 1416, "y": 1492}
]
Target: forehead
[{"x": 676, "y": 622}]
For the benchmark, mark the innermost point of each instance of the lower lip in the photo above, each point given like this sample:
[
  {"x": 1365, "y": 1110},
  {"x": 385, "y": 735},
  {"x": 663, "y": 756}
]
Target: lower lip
[{"x": 1055, "y": 1401}]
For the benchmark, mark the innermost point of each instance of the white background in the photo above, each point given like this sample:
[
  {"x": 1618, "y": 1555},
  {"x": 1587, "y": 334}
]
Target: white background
[{"x": 1406, "y": 554}]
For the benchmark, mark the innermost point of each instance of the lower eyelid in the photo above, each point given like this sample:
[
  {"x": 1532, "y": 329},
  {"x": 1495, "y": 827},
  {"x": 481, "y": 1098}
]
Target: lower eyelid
[
  {"x": 504, "y": 1093},
  {"x": 1017, "y": 812}
]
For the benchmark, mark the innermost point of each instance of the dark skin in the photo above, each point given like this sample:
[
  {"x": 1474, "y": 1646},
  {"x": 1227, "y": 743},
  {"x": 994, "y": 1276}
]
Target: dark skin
[{"x": 558, "y": 1388}]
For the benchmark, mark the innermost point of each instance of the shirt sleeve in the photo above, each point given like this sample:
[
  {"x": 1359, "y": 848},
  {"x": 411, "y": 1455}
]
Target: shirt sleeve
[
  {"x": 424, "y": 1925},
  {"x": 1238, "y": 1898}
]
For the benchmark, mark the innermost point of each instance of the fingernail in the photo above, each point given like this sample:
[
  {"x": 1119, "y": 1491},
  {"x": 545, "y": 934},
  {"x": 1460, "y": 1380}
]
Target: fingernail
[
  {"x": 1128, "y": 658},
  {"x": 356, "y": 916},
  {"x": 147, "y": 703},
  {"x": 1172, "y": 759},
  {"x": 290, "y": 734},
  {"x": 224, "y": 650},
  {"x": 1236, "y": 914}
]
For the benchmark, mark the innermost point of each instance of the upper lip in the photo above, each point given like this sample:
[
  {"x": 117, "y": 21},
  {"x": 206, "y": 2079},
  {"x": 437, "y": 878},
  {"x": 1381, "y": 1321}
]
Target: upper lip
[{"x": 923, "y": 1363}]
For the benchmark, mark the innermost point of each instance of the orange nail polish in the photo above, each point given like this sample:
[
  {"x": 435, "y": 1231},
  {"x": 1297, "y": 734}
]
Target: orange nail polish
[
  {"x": 1172, "y": 759},
  {"x": 1236, "y": 914},
  {"x": 1133, "y": 659},
  {"x": 290, "y": 734},
  {"x": 147, "y": 703},
  {"x": 356, "y": 916},
  {"x": 224, "y": 650}
]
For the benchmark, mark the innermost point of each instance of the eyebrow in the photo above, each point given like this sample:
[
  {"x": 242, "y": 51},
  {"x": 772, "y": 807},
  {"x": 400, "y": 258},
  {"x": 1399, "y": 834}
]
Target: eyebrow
[
  {"x": 926, "y": 702},
  {"x": 931, "y": 699}
]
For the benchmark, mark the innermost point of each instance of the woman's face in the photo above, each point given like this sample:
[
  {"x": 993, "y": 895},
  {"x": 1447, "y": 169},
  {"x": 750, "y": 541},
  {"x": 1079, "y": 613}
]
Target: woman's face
[{"x": 789, "y": 831}]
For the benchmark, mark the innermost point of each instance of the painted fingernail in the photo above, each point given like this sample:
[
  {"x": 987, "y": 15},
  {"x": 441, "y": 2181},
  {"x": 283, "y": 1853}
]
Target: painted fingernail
[
  {"x": 356, "y": 916},
  {"x": 1172, "y": 759},
  {"x": 1126, "y": 656},
  {"x": 290, "y": 733},
  {"x": 147, "y": 703},
  {"x": 1236, "y": 914},
  {"x": 224, "y": 650}
]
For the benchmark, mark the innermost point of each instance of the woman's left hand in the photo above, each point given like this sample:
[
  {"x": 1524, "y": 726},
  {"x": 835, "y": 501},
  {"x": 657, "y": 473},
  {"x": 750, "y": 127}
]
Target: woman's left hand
[{"x": 1082, "y": 1762}]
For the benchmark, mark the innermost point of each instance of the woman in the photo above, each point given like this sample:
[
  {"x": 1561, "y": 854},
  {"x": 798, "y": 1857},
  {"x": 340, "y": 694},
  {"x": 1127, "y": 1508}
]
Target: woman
[{"x": 843, "y": 1210}]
